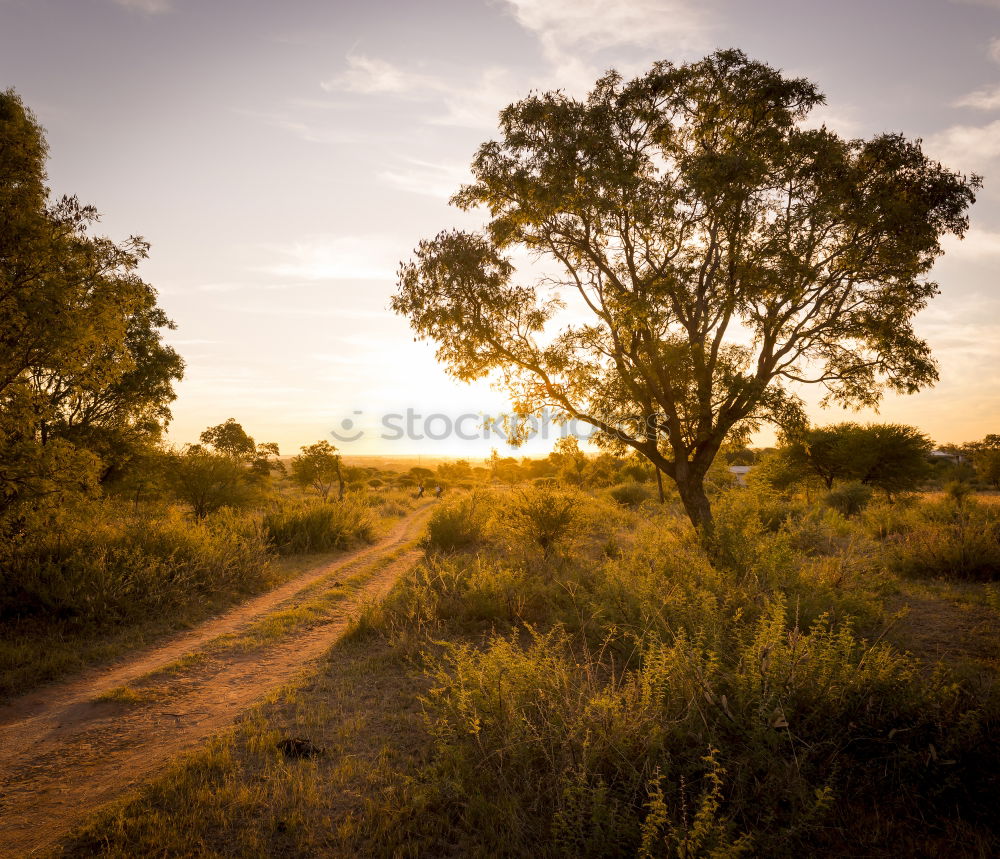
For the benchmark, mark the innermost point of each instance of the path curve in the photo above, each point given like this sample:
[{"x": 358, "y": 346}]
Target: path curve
[{"x": 63, "y": 754}]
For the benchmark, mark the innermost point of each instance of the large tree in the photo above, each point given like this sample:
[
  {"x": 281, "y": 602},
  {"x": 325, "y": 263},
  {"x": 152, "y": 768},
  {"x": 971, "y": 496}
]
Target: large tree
[
  {"x": 83, "y": 371},
  {"x": 703, "y": 251}
]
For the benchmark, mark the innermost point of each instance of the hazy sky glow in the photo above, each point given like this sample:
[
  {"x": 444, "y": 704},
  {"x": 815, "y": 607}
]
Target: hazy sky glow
[{"x": 283, "y": 157}]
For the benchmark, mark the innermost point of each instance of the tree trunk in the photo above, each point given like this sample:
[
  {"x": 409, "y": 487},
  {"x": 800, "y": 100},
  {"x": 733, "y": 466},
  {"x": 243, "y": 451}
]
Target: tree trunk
[
  {"x": 340, "y": 483},
  {"x": 696, "y": 504}
]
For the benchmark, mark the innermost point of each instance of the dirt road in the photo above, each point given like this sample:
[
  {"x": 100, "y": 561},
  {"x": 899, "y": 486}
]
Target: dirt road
[{"x": 64, "y": 754}]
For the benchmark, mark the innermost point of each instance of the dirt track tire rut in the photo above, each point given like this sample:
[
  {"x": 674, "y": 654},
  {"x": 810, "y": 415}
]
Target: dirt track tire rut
[{"x": 64, "y": 754}]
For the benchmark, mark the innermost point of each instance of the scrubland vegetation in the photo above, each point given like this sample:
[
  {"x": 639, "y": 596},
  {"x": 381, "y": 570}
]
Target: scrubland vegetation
[
  {"x": 575, "y": 673},
  {"x": 614, "y": 655},
  {"x": 88, "y": 581},
  {"x": 178, "y": 537}
]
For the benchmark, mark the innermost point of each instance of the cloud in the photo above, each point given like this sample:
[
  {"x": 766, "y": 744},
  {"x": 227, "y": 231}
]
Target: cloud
[
  {"x": 150, "y": 7},
  {"x": 572, "y": 32},
  {"x": 842, "y": 120},
  {"x": 966, "y": 147},
  {"x": 978, "y": 244},
  {"x": 325, "y": 257},
  {"x": 428, "y": 178},
  {"x": 478, "y": 105},
  {"x": 987, "y": 98},
  {"x": 575, "y": 36},
  {"x": 473, "y": 104},
  {"x": 371, "y": 75},
  {"x": 307, "y": 120}
]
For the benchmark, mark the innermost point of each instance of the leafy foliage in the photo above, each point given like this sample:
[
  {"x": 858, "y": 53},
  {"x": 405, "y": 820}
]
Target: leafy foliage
[
  {"x": 85, "y": 379},
  {"x": 888, "y": 457},
  {"x": 676, "y": 207},
  {"x": 318, "y": 467}
]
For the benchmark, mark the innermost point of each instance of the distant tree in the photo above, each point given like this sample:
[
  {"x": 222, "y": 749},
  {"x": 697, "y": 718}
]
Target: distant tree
[
  {"x": 888, "y": 457},
  {"x": 570, "y": 462},
  {"x": 827, "y": 453},
  {"x": 985, "y": 456},
  {"x": 679, "y": 208},
  {"x": 534, "y": 467},
  {"x": 231, "y": 440},
  {"x": 892, "y": 458},
  {"x": 493, "y": 464},
  {"x": 319, "y": 467},
  {"x": 208, "y": 480},
  {"x": 457, "y": 470},
  {"x": 739, "y": 455}
]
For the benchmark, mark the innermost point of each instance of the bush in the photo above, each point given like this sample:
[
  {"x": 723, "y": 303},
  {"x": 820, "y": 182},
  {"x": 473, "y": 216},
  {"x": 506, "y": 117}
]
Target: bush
[
  {"x": 545, "y": 517},
  {"x": 104, "y": 565},
  {"x": 319, "y": 527},
  {"x": 457, "y": 524},
  {"x": 962, "y": 543},
  {"x": 631, "y": 494},
  {"x": 778, "y": 741},
  {"x": 849, "y": 499}
]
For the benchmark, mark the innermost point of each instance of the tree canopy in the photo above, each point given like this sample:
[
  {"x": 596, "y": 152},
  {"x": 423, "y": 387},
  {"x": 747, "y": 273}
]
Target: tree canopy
[
  {"x": 84, "y": 375},
  {"x": 319, "y": 467},
  {"x": 704, "y": 252},
  {"x": 892, "y": 458}
]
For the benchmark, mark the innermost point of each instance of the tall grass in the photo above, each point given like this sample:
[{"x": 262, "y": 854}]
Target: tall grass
[
  {"x": 458, "y": 523},
  {"x": 651, "y": 701},
  {"x": 319, "y": 526},
  {"x": 105, "y": 565}
]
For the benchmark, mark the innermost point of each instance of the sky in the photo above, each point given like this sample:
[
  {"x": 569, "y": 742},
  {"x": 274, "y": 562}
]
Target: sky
[{"x": 283, "y": 158}]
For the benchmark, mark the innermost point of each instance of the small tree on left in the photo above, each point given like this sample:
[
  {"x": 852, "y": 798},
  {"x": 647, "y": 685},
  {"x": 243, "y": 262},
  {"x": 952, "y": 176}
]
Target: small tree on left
[
  {"x": 227, "y": 469},
  {"x": 318, "y": 467}
]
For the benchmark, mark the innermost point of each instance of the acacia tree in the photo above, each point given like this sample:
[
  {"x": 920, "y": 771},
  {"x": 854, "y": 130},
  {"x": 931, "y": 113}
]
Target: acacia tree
[
  {"x": 712, "y": 251},
  {"x": 318, "y": 466},
  {"x": 230, "y": 440},
  {"x": 888, "y": 457}
]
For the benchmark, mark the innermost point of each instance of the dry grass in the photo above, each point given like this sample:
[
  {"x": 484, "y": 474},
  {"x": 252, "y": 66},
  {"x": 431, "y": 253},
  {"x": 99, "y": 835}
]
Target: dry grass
[
  {"x": 615, "y": 691},
  {"x": 241, "y": 796},
  {"x": 311, "y": 606}
]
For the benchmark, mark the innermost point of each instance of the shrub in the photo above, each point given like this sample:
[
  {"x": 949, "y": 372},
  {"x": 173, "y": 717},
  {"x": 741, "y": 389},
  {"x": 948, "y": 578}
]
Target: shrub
[
  {"x": 456, "y": 525},
  {"x": 849, "y": 499},
  {"x": 965, "y": 545},
  {"x": 631, "y": 494},
  {"x": 102, "y": 565},
  {"x": 319, "y": 527},
  {"x": 545, "y": 517},
  {"x": 778, "y": 740}
]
